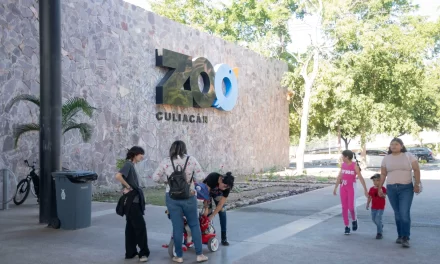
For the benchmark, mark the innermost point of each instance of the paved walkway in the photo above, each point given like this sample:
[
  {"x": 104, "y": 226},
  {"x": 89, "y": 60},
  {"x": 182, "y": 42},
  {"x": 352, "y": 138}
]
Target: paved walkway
[{"x": 301, "y": 229}]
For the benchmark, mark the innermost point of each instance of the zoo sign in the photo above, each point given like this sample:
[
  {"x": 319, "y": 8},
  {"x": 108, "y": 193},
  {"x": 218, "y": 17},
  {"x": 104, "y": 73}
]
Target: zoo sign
[{"x": 184, "y": 71}]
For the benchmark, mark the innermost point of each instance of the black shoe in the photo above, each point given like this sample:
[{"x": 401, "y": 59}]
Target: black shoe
[
  {"x": 354, "y": 225},
  {"x": 224, "y": 239},
  {"x": 347, "y": 230},
  {"x": 379, "y": 236},
  {"x": 399, "y": 240},
  {"x": 405, "y": 242},
  {"x": 131, "y": 257}
]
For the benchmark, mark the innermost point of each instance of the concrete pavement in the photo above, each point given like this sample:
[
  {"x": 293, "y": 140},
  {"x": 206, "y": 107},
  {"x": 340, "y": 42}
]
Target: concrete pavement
[{"x": 301, "y": 229}]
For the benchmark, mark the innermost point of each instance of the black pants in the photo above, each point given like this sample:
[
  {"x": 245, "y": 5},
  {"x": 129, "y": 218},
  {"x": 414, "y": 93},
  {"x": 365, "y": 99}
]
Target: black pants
[{"x": 136, "y": 233}]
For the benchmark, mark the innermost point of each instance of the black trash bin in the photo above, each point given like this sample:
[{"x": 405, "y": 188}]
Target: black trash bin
[{"x": 74, "y": 198}]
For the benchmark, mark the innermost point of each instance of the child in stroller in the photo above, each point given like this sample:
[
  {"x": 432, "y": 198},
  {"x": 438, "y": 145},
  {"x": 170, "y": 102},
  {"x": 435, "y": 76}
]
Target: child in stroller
[{"x": 208, "y": 232}]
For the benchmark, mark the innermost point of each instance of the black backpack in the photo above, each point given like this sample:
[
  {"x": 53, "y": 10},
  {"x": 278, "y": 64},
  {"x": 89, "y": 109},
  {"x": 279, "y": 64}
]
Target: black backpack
[{"x": 179, "y": 187}]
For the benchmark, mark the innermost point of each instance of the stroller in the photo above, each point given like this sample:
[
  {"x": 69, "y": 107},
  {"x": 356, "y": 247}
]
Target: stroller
[{"x": 206, "y": 227}]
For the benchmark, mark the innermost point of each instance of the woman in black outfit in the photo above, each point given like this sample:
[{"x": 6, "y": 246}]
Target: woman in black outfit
[{"x": 135, "y": 229}]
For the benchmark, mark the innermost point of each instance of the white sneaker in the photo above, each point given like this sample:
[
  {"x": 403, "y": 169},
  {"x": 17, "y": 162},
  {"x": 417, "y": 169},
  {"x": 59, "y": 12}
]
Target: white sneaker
[
  {"x": 143, "y": 259},
  {"x": 178, "y": 260},
  {"x": 202, "y": 258}
]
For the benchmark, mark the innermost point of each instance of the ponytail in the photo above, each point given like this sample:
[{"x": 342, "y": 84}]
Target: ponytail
[{"x": 357, "y": 161}]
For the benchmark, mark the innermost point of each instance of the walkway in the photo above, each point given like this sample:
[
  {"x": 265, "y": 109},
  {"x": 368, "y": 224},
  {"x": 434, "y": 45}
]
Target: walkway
[{"x": 300, "y": 229}]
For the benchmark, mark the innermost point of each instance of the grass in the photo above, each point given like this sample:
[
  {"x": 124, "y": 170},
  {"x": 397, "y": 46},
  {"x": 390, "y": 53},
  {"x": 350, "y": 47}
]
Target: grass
[{"x": 153, "y": 196}]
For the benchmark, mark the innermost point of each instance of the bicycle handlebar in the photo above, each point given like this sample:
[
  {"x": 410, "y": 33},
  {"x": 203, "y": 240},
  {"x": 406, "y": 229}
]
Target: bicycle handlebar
[{"x": 27, "y": 163}]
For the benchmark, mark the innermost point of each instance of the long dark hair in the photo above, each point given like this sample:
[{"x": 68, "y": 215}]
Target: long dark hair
[
  {"x": 350, "y": 155},
  {"x": 133, "y": 152},
  {"x": 398, "y": 140},
  {"x": 178, "y": 148}
]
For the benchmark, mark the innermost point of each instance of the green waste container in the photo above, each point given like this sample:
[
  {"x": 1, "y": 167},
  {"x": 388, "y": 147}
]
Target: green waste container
[{"x": 74, "y": 198}]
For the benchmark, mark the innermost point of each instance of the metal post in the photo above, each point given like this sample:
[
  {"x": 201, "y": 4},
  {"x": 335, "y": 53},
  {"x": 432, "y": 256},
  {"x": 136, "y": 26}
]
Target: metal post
[
  {"x": 50, "y": 109},
  {"x": 5, "y": 190}
]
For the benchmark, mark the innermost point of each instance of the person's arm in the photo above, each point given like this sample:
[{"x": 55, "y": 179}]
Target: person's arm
[
  {"x": 361, "y": 179},
  {"x": 368, "y": 202},
  {"x": 206, "y": 203},
  {"x": 199, "y": 175},
  {"x": 160, "y": 172},
  {"x": 417, "y": 182},
  {"x": 383, "y": 176},
  {"x": 218, "y": 208},
  {"x": 121, "y": 179},
  {"x": 338, "y": 181}
]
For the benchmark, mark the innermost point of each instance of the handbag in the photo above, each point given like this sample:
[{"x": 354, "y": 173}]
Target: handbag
[{"x": 412, "y": 174}]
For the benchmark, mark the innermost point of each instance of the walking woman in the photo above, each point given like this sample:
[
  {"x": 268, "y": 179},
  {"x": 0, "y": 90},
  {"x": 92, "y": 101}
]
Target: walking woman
[
  {"x": 182, "y": 206},
  {"x": 396, "y": 170},
  {"x": 135, "y": 229}
]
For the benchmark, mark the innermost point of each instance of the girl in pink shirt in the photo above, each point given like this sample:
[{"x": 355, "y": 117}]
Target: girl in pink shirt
[{"x": 347, "y": 180}]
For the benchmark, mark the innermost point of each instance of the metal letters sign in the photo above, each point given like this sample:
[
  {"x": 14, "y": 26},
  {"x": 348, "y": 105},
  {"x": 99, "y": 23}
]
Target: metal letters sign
[{"x": 184, "y": 71}]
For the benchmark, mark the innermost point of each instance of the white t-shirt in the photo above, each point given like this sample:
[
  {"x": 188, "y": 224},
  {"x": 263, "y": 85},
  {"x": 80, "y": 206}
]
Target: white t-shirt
[
  {"x": 166, "y": 169},
  {"x": 398, "y": 168}
]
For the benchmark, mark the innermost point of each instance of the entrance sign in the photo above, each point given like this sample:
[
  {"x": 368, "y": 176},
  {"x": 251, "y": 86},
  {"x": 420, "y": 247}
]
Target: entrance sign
[{"x": 184, "y": 72}]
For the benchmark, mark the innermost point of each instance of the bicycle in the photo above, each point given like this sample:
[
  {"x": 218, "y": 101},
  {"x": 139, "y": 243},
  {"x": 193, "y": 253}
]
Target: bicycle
[{"x": 30, "y": 183}]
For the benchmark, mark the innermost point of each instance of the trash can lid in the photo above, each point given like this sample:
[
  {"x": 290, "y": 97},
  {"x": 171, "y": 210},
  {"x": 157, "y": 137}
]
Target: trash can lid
[{"x": 74, "y": 174}]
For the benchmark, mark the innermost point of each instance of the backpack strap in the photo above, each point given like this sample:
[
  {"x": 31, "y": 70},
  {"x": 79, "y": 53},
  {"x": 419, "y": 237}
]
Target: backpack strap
[
  {"x": 186, "y": 162},
  {"x": 192, "y": 177},
  {"x": 172, "y": 163}
]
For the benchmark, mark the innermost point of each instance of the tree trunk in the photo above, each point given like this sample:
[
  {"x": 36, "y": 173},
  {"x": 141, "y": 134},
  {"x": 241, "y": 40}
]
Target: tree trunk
[
  {"x": 346, "y": 141},
  {"x": 308, "y": 85},
  {"x": 304, "y": 127},
  {"x": 339, "y": 138},
  {"x": 363, "y": 149}
]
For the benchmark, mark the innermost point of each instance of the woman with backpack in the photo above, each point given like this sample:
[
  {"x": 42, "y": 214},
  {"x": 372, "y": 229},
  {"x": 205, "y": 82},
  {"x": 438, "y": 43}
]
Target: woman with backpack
[{"x": 179, "y": 171}]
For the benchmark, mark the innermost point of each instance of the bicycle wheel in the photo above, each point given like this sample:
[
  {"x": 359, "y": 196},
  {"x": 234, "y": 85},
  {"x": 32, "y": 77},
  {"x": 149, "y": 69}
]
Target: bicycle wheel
[{"x": 22, "y": 192}]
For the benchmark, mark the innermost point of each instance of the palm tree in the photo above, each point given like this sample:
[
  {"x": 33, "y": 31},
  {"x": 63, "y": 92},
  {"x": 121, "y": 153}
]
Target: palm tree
[{"x": 68, "y": 113}]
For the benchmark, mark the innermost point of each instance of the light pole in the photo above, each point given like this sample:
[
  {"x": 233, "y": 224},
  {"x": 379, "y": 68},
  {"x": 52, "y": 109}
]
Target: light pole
[{"x": 50, "y": 105}]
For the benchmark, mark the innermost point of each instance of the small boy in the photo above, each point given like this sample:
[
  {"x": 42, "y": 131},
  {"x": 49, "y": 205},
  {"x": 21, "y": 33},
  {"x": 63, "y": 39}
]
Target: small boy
[{"x": 378, "y": 204}]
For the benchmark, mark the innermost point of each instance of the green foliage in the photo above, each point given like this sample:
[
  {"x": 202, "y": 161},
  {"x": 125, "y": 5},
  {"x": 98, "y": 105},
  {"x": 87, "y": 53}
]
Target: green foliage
[
  {"x": 120, "y": 163},
  {"x": 377, "y": 70},
  {"x": 381, "y": 76},
  {"x": 70, "y": 110},
  {"x": 259, "y": 25}
]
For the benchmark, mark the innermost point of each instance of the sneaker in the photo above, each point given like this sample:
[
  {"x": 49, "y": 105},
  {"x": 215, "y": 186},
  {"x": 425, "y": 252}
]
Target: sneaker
[
  {"x": 225, "y": 243},
  {"x": 347, "y": 230},
  {"x": 143, "y": 259},
  {"x": 399, "y": 240},
  {"x": 202, "y": 258},
  {"x": 224, "y": 239},
  {"x": 178, "y": 260},
  {"x": 405, "y": 242},
  {"x": 354, "y": 225},
  {"x": 379, "y": 236}
]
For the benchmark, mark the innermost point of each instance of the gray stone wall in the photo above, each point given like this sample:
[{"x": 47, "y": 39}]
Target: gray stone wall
[{"x": 108, "y": 57}]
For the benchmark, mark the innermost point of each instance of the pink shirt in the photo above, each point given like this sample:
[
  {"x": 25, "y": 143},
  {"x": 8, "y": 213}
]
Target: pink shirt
[{"x": 348, "y": 174}]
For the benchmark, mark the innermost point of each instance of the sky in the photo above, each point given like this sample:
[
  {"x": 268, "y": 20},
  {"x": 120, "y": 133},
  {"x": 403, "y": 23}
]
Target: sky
[{"x": 300, "y": 30}]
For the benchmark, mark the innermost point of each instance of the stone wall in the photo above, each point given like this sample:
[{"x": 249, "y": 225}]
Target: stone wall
[{"x": 108, "y": 57}]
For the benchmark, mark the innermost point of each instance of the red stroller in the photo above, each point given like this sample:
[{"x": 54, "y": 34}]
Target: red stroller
[{"x": 208, "y": 232}]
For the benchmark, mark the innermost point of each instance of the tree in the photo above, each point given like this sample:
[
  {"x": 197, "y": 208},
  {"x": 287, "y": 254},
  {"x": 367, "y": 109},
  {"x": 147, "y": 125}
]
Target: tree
[
  {"x": 261, "y": 25},
  {"x": 70, "y": 110},
  {"x": 382, "y": 50}
]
